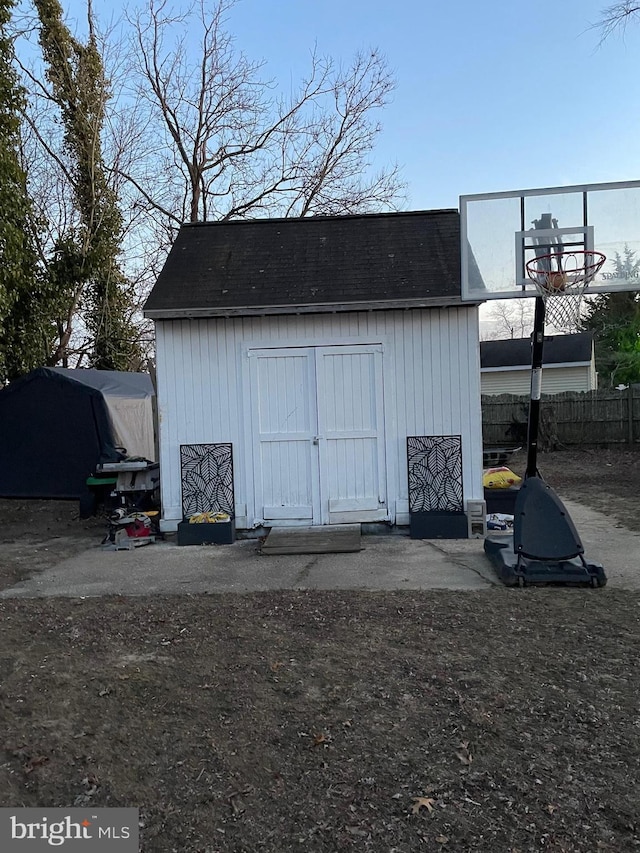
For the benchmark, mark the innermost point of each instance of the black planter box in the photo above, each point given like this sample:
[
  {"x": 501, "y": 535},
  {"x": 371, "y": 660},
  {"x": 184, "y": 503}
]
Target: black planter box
[
  {"x": 501, "y": 500},
  {"x": 217, "y": 533},
  {"x": 438, "y": 524}
]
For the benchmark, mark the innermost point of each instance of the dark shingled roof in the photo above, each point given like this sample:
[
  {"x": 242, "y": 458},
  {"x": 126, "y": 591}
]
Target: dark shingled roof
[
  {"x": 311, "y": 264},
  {"x": 561, "y": 349}
]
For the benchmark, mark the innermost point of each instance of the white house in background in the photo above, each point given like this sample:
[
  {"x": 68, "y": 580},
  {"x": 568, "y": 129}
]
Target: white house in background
[
  {"x": 317, "y": 371},
  {"x": 569, "y": 365}
]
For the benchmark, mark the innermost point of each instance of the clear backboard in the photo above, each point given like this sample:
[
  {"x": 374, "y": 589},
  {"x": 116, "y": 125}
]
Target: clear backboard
[{"x": 500, "y": 232}]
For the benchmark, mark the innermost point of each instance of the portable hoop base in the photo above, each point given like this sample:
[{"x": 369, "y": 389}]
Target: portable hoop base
[
  {"x": 545, "y": 546},
  {"x": 514, "y": 570}
]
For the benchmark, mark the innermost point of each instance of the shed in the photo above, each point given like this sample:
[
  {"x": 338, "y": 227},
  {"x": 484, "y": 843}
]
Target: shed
[
  {"x": 317, "y": 371},
  {"x": 56, "y": 424},
  {"x": 569, "y": 365}
]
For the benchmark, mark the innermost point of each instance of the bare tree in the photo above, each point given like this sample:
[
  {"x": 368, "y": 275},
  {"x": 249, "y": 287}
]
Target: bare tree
[
  {"x": 192, "y": 129},
  {"x": 617, "y": 17},
  {"x": 510, "y": 318},
  {"x": 220, "y": 144}
]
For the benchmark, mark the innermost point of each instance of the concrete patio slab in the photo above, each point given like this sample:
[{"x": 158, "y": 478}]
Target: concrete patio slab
[{"x": 386, "y": 562}]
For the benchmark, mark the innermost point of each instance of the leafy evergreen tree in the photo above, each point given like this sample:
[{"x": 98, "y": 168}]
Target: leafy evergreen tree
[
  {"x": 80, "y": 90},
  {"x": 26, "y": 298},
  {"x": 615, "y": 320}
]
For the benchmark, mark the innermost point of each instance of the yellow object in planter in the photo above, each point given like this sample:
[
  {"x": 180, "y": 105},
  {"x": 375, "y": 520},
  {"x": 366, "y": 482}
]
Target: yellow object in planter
[
  {"x": 208, "y": 517},
  {"x": 500, "y": 478}
]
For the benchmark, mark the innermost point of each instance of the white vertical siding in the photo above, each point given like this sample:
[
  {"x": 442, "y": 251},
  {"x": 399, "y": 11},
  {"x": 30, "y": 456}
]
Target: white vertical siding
[
  {"x": 431, "y": 373},
  {"x": 554, "y": 380}
]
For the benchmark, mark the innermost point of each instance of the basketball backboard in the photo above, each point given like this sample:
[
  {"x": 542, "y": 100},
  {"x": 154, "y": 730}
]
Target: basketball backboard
[{"x": 500, "y": 232}]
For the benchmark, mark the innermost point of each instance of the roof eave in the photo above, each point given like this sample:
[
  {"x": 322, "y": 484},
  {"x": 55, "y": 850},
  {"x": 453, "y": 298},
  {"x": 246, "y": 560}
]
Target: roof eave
[{"x": 308, "y": 308}]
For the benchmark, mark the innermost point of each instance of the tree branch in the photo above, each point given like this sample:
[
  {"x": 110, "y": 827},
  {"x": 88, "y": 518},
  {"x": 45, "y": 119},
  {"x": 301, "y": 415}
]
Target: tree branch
[{"x": 617, "y": 17}]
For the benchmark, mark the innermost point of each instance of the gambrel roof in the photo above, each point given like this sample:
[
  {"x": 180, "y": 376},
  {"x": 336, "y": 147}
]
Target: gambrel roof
[{"x": 320, "y": 263}]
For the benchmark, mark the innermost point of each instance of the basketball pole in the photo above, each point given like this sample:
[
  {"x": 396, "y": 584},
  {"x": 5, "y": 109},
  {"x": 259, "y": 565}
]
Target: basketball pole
[{"x": 533, "y": 422}]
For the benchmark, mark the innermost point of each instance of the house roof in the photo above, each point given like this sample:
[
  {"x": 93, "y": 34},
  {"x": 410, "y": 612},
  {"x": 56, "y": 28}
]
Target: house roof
[
  {"x": 560, "y": 349},
  {"x": 319, "y": 263}
]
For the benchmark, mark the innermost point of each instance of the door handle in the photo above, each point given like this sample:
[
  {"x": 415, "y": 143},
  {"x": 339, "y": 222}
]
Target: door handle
[{"x": 316, "y": 440}]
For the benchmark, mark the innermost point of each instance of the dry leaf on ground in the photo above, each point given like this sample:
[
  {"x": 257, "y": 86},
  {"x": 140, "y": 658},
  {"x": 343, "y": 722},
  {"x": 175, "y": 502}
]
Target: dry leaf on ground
[
  {"x": 463, "y": 753},
  {"x": 422, "y": 803}
]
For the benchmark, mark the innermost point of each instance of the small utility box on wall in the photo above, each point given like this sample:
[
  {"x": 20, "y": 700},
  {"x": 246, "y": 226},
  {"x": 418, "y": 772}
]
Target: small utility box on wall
[{"x": 477, "y": 517}]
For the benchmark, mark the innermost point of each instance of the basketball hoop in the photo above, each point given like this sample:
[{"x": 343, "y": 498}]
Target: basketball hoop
[{"x": 561, "y": 279}]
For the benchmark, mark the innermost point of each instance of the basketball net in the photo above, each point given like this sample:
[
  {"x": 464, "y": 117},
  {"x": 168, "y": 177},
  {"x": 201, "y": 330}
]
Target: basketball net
[{"x": 561, "y": 279}]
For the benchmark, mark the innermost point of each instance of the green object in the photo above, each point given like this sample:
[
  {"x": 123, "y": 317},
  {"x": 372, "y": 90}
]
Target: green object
[{"x": 101, "y": 481}]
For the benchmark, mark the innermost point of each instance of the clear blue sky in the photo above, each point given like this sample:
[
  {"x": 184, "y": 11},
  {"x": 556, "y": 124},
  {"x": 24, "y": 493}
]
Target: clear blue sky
[{"x": 492, "y": 95}]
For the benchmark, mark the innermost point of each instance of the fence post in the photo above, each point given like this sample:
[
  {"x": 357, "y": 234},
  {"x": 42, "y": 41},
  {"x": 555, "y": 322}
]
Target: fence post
[{"x": 630, "y": 412}]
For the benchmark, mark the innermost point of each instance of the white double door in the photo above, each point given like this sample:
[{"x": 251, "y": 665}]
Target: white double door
[{"x": 318, "y": 435}]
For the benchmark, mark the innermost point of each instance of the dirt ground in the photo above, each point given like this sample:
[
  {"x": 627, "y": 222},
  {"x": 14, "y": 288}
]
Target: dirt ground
[
  {"x": 504, "y": 720},
  {"x": 607, "y": 480}
]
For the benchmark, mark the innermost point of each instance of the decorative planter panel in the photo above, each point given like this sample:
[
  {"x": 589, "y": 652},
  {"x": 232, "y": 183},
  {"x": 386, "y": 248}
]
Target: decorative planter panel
[
  {"x": 206, "y": 473},
  {"x": 435, "y": 473}
]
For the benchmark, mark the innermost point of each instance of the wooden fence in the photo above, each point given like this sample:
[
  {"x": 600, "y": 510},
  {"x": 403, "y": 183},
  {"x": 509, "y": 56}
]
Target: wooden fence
[{"x": 592, "y": 417}]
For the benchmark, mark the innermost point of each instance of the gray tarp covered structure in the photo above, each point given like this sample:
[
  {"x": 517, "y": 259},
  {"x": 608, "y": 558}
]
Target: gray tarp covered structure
[{"x": 57, "y": 424}]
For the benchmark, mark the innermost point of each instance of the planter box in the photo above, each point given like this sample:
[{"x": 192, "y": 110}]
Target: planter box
[
  {"x": 218, "y": 533},
  {"x": 438, "y": 524},
  {"x": 501, "y": 500}
]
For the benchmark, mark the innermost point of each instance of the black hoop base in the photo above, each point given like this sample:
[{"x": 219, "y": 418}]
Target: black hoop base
[{"x": 514, "y": 570}]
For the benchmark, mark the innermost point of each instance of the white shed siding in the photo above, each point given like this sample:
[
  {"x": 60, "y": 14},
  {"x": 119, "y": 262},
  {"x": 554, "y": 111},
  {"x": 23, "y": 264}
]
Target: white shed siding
[
  {"x": 554, "y": 380},
  {"x": 431, "y": 372}
]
